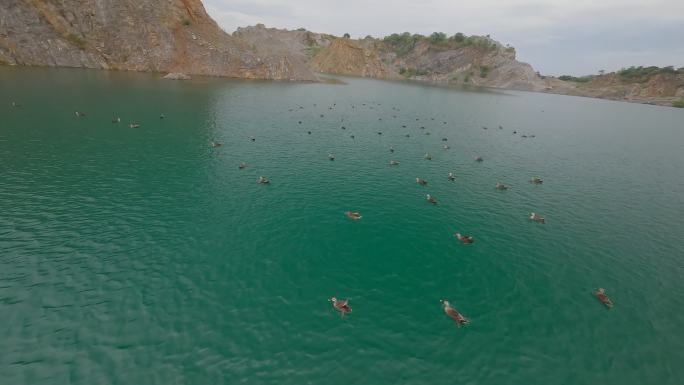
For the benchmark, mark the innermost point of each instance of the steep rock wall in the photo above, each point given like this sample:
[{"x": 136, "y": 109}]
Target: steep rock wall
[{"x": 139, "y": 35}]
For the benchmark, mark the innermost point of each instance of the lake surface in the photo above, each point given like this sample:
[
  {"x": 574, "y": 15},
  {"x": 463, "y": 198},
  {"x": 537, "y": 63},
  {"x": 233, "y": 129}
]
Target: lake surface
[{"x": 143, "y": 256}]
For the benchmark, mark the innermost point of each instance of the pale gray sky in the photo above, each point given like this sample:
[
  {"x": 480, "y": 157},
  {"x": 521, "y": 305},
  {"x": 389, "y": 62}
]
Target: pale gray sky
[{"x": 556, "y": 36}]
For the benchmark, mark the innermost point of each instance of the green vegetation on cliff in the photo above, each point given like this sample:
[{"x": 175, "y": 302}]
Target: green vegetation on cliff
[
  {"x": 678, "y": 103},
  {"x": 77, "y": 41},
  {"x": 314, "y": 50},
  {"x": 569, "y": 78},
  {"x": 410, "y": 72},
  {"x": 636, "y": 73},
  {"x": 403, "y": 43}
]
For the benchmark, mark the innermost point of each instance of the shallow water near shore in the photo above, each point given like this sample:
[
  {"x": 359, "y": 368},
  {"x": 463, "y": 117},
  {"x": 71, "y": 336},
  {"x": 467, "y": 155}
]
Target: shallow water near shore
[{"x": 143, "y": 256}]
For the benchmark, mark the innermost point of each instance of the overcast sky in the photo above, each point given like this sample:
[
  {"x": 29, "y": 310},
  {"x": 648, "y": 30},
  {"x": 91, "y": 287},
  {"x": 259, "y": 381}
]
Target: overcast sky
[{"x": 557, "y": 37}]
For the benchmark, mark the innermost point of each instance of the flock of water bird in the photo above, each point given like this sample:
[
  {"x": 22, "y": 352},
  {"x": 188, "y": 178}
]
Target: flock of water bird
[{"x": 342, "y": 306}]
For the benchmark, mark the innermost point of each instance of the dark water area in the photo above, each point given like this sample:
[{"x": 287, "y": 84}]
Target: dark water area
[{"x": 144, "y": 256}]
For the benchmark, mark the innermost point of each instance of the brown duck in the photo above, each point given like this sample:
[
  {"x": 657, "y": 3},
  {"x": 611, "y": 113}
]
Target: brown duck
[
  {"x": 341, "y": 306},
  {"x": 454, "y": 314}
]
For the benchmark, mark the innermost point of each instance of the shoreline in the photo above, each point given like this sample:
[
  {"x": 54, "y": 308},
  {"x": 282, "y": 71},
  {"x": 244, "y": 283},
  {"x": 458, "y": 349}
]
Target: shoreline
[{"x": 329, "y": 78}]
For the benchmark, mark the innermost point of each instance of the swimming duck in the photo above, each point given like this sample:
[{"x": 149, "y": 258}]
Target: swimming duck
[
  {"x": 391, "y": 148},
  {"x": 242, "y": 165},
  {"x": 451, "y": 176},
  {"x": 343, "y": 127},
  {"x": 484, "y": 128},
  {"x": 407, "y": 135},
  {"x": 309, "y": 132},
  {"x": 79, "y": 114},
  {"x": 431, "y": 199},
  {"x": 263, "y": 180},
  {"x": 394, "y": 163},
  {"x": 253, "y": 139},
  {"x": 454, "y": 314},
  {"x": 341, "y": 306},
  {"x": 353, "y": 215},
  {"x": 537, "y": 180},
  {"x": 214, "y": 144},
  {"x": 500, "y": 128},
  {"x": 428, "y": 156},
  {"x": 331, "y": 156},
  {"x": 537, "y": 218},
  {"x": 501, "y": 186},
  {"x": 479, "y": 159},
  {"x": 446, "y": 147},
  {"x": 467, "y": 239},
  {"x": 134, "y": 125},
  {"x": 300, "y": 122},
  {"x": 601, "y": 295},
  {"x": 15, "y": 104},
  {"x": 421, "y": 181},
  {"x": 162, "y": 116},
  {"x": 444, "y": 139},
  {"x": 379, "y": 133},
  {"x": 116, "y": 119},
  {"x": 352, "y": 136}
]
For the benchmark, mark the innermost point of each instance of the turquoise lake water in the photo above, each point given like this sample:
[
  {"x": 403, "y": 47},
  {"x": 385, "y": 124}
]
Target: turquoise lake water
[{"x": 143, "y": 256}]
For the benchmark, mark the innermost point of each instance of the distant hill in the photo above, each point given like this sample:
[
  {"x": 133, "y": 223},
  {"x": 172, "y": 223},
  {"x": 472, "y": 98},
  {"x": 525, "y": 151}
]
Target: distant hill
[{"x": 638, "y": 84}]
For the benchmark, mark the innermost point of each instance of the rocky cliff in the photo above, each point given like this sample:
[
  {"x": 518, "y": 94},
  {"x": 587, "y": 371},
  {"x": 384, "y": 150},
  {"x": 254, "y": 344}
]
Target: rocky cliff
[
  {"x": 478, "y": 61},
  {"x": 345, "y": 57},
  {"x": 139, "y": 35}
]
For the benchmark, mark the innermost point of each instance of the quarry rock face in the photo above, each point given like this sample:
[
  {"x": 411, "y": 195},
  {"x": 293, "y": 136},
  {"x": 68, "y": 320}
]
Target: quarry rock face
[{"x": 137, "y": 35}]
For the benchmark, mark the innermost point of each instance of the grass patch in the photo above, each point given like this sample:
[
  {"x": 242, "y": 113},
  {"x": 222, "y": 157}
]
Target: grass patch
[
  {"x": 411, "y": 72},
  {"x": 186, "y": 22},
  {"x": 75, "y": 40},
  {"x": 313, "y": 51},
  {"x": 484, "y": 71},
  {"x": 575, "y": 79},
  {"x": 678, "y": 103}
]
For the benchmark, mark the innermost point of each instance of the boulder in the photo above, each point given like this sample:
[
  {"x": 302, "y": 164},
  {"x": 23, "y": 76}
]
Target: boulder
[{"x": 177, "y": 76}]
